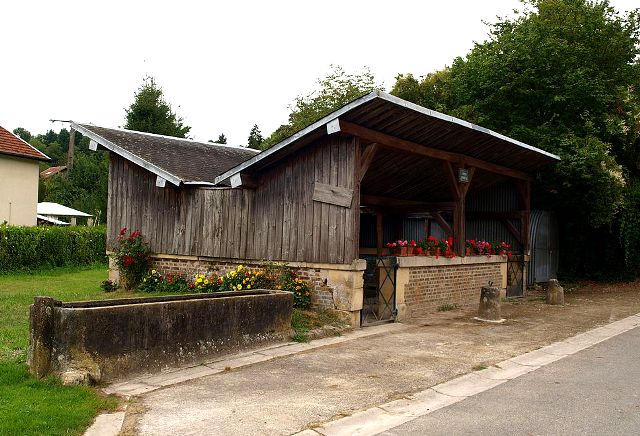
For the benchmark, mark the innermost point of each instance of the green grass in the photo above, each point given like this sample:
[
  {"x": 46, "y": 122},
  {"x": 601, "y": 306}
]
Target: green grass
[
  {"x": 35, "y": 407},
  {"x": 303, "y": 321},
  {"x": 29, "y": 406},
  {"x": 447, "y": 307},
  {"x": 67, "y": 284}
]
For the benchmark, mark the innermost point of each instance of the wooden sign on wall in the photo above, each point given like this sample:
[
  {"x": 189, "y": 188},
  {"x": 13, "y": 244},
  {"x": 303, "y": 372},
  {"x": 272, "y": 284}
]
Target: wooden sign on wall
[{"x": 330, "y": 194}]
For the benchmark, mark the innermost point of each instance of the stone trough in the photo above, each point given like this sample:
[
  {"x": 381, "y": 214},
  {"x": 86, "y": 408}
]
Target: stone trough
[{"x": 92, "y": 341}]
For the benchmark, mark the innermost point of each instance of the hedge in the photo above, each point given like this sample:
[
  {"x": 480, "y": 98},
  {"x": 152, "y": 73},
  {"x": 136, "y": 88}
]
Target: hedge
[{"x": 31, "y": 248}]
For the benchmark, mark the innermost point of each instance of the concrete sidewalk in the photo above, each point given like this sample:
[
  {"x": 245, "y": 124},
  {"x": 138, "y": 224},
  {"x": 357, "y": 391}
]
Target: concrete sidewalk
[
  {"x": 327, "y": 388},
  {"x": 272, "y": 391}
]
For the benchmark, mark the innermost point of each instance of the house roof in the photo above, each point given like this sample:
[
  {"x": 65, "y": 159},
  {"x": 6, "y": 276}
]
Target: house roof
[
  {"x": 177, "y": 160},
  {"x": 399, "y": 118},
  {"x": 51, "y": 220},
  {"x": 13, "y": 145},
  {"x": 55, "y": 209},
  {"x": 52, "y": 170}
]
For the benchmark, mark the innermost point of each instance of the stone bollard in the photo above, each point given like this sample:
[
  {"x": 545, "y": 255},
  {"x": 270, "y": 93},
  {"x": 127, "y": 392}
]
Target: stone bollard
[
  {"x": 41, "y": 334},
  {"x": 555, "y": 292},
  {"x": 489, "y": 309}
]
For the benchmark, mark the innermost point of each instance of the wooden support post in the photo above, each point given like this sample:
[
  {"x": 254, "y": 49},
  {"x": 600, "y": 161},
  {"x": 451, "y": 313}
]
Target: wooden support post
[
  {"x": 366, "y": 159},
  {"x": 71, "y": 151},
  {"x": 459, "y": 192}
]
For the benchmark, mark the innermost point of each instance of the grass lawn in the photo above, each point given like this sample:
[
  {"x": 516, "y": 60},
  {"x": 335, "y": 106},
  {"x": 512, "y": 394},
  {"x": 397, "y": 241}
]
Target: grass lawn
[{"x": 28, "y": 405}]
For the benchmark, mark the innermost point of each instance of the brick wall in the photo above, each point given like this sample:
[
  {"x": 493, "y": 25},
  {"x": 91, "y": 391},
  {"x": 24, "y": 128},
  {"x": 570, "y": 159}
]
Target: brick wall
[
  {"x": 429, "y": 287},
  {"x": 322, "y": 295}
]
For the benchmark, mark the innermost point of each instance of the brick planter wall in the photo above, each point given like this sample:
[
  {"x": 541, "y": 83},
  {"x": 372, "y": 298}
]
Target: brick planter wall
[
  {"x": 333, "y": 286},
  {"x": 425, "y": 283}
]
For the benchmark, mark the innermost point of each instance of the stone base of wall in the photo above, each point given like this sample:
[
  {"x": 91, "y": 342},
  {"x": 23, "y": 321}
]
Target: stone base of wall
[
  {"x": 334, "y": 286},
  {"x": 424, "y": 284}
]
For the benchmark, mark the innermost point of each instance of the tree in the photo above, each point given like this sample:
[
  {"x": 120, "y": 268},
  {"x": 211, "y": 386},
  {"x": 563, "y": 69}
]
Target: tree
[
  {"x": 221, "y": 139},
  {"x": 150, "y": 113},
  {"x": 22, "y": 133},
  {"x": 336, "y": 90},
  {"x": 562, "y": 75},
  {"x": 255, "y": 138}
]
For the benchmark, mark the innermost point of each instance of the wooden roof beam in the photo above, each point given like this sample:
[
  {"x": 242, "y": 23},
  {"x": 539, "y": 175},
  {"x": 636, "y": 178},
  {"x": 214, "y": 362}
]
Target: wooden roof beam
[
  {"x": 393, "y": 143},
  {"x": 374, "y": 200}
]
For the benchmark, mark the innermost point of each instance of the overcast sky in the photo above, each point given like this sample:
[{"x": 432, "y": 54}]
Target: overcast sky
[{"x": 223, "y": 66}]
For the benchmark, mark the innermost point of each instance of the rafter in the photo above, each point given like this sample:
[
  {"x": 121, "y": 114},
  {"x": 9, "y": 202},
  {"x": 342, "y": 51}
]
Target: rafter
[{"x": 391, "y": 142}]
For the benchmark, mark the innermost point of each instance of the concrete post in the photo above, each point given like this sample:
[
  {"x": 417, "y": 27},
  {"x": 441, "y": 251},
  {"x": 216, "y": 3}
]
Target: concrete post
[
  {"x": 41, "y": 334},
  {"x": 555, "y": 293},
  {"x": 489, "y": 309}
]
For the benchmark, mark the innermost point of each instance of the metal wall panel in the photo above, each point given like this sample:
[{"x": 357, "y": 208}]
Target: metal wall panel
[{"x": 543, "y": 265}]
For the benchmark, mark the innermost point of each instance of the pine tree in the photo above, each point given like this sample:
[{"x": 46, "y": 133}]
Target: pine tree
[
  {"x": 150, "y": 113},
  {"x": 255, "y": 138}
]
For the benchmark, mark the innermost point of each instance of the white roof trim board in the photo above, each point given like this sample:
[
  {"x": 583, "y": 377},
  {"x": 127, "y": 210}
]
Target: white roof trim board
[
  {"x": 52, "y": 220},
  {"x": 55, "y": 209},
  {"x": 354, "y": 104},
  {"x": 127, "y": 154}
]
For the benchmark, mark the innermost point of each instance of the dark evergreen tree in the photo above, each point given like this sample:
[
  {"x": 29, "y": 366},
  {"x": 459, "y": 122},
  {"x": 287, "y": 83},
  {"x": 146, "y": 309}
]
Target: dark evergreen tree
[
  {"x": 255, "y": 138},
  {"x": 150, "y": 113}
]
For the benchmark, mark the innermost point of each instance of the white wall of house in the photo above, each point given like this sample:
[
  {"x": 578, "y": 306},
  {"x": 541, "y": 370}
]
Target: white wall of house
[{"x": 18, "y": 190}]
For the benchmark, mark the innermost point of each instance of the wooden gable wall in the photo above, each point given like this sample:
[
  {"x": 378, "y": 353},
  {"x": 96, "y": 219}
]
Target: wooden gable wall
[
  {"x": 290, "y": 225},
  {"x": 278, "y": 221}
]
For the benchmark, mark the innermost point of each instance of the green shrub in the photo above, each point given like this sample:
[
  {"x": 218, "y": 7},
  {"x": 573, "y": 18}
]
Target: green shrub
[{"x": 32, "y": 248}]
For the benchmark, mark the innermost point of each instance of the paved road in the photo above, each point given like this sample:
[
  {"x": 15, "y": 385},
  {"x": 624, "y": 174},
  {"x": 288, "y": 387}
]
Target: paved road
[{"x": 593, "y": 392}]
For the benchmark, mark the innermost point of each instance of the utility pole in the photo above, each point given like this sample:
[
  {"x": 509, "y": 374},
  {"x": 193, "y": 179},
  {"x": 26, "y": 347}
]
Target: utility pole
[{"x": 72, "y": 145}]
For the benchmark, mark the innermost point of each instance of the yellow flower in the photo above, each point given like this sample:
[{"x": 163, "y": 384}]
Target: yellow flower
[
  {"x": 199, "y": 280},
  {"x": 153, "y": 271},
  {"x": 239, "y": 287},
  {"x": 206, "y": 282},
  {"x": 249, "y": 287},
  {"x": 240, "y": 267}
]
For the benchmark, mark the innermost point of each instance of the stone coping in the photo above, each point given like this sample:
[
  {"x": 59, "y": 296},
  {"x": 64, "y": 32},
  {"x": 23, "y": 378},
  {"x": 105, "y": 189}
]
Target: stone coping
[
  {"x": 356, "y": 265},
  {"x": 419, "y": 261}
]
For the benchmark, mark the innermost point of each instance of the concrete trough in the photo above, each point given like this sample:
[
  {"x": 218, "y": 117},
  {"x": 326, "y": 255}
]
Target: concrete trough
[{"x": 92, "y": 341}]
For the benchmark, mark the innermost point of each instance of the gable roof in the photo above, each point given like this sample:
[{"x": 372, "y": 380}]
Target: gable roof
[
  {"x": 177, "y": 160},
  {"x": 54, "y": 209},
  {"x": 13, "y": 145},
  {"x": 52, "y": 170},
  {"x": 396, "y": 117}
]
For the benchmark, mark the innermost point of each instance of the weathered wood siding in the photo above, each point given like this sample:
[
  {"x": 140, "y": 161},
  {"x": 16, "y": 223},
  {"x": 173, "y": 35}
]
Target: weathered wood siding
[
  {"x": 279, "y": 220},
  {"x": 197, "y": 222},
  {"x": 291, "y": 226}
]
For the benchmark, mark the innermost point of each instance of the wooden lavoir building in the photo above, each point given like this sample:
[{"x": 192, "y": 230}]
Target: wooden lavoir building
[{"x": 379, "y": 160}]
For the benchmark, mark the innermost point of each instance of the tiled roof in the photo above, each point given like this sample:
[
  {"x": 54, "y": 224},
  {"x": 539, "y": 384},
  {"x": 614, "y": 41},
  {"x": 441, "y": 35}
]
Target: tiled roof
[
  {"x": 13, "y": 145},
  {"x": 188, "y": 161},
  {"x": 52, "y": 170}
]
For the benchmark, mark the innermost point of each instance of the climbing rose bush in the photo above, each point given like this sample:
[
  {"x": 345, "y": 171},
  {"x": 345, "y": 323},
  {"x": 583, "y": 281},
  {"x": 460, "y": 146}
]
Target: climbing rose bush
[{"x": 132, "y": 258}]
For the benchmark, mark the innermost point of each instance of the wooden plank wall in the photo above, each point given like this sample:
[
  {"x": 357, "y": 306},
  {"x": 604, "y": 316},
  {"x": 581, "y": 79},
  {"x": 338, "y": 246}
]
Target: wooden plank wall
[
  {"x": 277, "y": 221},
  {"x": 197, "y": 222},
  {"x": 289, "y": 225}
]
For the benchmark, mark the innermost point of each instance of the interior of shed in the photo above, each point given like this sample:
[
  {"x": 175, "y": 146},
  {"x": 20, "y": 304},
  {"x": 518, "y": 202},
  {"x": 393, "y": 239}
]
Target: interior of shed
[{"x": 407, "y": 195}]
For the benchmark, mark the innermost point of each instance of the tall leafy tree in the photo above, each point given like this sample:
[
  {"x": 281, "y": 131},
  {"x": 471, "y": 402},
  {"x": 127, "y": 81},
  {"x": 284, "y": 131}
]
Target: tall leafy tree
[
  {"x": 23, "y": 133},
  {"x": 149, "y": 112},
  {"x": 255, "y": 139},
  {"x": 562, "y": 75},
  {"x": 334, "y": 91}
]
